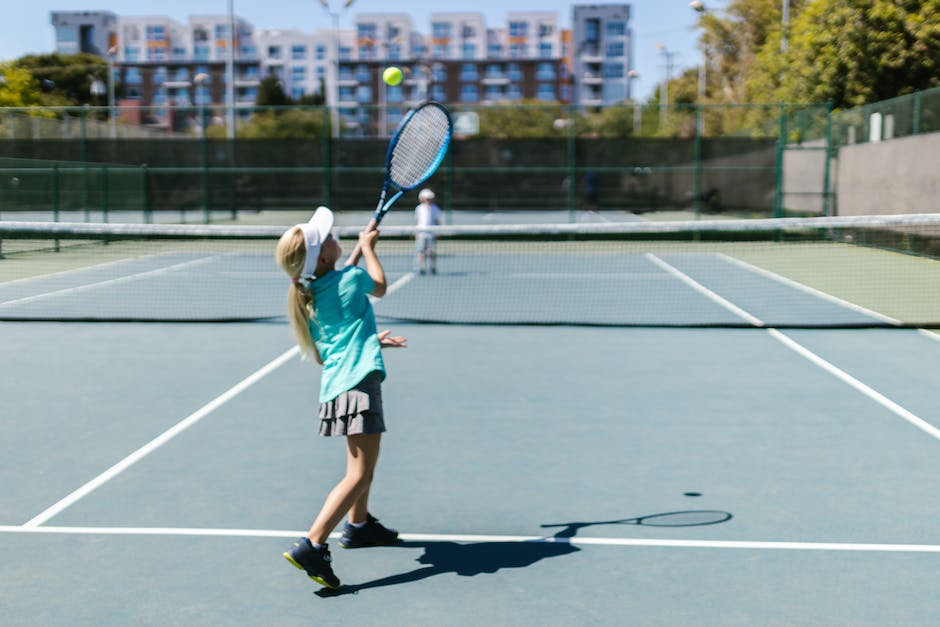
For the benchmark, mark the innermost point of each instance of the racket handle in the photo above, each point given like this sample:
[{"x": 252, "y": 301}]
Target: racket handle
[{"x": 353, "y": 258}]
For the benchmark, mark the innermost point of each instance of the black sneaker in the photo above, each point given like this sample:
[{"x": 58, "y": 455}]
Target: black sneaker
[
  {"x": 373, "y": 533},
  {"x": 315, "y": 561}
]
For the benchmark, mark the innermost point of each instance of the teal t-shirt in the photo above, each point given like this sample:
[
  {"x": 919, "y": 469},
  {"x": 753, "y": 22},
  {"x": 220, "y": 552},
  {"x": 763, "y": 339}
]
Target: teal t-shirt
[{"x": 344, "y": 330}]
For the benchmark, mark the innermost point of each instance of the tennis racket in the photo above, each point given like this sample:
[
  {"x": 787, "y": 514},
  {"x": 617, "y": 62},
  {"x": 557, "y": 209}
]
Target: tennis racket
[{"x": 414, "y": 153}]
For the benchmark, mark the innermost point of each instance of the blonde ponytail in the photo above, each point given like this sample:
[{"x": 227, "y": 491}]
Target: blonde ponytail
[{"x": 290, "y": 255}]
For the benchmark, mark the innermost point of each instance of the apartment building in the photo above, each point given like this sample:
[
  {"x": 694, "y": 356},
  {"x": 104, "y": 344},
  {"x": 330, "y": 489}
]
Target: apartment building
[
  {"x": 601, "y": 53},
  {"x": 94, "y": 32},
  {"x": 461, "y": 60}
]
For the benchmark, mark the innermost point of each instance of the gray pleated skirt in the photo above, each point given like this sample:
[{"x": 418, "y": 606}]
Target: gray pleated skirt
[{"x": 355, "y": 411}]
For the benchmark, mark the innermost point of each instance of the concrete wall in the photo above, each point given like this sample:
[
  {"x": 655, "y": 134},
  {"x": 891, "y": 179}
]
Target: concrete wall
[
  {"x": 803, "y": 177},
  {"x": 894, "y": 176}
]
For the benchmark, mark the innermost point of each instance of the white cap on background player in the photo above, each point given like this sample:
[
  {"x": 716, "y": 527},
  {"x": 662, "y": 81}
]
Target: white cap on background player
[{"x": 425, "y": 194}]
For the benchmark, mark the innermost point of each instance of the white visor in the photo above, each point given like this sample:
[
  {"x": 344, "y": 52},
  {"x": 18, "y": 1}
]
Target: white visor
[{"x": 315, "y": 232}]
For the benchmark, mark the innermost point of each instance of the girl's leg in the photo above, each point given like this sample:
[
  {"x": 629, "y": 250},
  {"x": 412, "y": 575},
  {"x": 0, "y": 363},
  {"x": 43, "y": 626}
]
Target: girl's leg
[{"x": 362, "y": 453}]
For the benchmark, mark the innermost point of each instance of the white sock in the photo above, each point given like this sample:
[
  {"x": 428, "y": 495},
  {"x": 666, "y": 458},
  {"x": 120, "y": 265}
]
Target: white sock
[{"x": 359, "y": 525}]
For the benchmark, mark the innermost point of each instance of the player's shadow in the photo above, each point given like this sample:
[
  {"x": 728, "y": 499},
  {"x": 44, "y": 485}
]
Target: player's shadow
[{"x": 475, "y": 558}]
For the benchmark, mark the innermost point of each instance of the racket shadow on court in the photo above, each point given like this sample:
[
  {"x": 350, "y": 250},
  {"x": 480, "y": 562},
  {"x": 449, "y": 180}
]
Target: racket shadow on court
[{"x": 475, "y": 558}]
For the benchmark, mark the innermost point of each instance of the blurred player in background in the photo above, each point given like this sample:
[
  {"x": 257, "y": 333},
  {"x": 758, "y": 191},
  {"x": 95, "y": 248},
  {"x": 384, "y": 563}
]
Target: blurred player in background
[{"x": 426, "y": 214}]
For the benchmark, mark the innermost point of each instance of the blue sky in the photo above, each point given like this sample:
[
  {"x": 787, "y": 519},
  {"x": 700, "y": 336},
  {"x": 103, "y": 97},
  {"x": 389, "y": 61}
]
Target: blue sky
[{"x": 26, "y": 26}]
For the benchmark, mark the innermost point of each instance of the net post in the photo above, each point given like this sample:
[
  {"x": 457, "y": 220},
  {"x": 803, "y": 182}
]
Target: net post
[
  {"x": 204, "y": 166},
  {"x": 55, "y": 201},
  {"x": 778, "y": 173},
  {"x": 83, "y": 150},
  {"x": 144, "y": 196},
  {"x": 699, "y": 122},
  {"x": 571, "y": 151},
  {"x": 827, "y": 165},
  {"x": 104, "y": 193},
  {"x": 326, "y": 140}
]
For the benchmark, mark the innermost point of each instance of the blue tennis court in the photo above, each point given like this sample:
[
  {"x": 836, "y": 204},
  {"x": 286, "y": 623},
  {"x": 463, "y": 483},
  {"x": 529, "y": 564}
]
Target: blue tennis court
[{"x": 157, "y": 470}]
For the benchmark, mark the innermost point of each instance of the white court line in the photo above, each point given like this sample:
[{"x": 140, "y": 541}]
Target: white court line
[
  {"x": 160, "y": 440},
  {"x": 930, "y": 334},
  {"x": 809, "y": 290},
  {"x": 792, "y": 344},
  {"x": 471, "y": 538},
  {"x": 685, "y": 278},
  {"x": 405, "y": 278},
  {"x": 122, "y": 279},
  {"x": 172, "y": 432}
]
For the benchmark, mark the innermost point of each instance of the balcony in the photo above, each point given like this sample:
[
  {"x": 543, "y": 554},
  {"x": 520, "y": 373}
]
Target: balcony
[
  {"x": 592, "y": 78},
  {"x": 495, "y": 79}
]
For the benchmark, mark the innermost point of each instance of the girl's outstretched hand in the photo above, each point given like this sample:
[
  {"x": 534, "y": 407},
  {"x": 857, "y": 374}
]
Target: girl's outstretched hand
[{"x": 386, "y": 340}]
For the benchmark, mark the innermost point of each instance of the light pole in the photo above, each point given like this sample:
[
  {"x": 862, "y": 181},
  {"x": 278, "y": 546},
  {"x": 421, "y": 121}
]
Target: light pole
[
  {"x": 230, "y": 72},
  {"x": 699, "y": 7},
  {"x": 333, "y": 89},
  {"x": 112, "y": 51},
  {"x": 664, "y": 91},
  {"x": 634, "y": 76},
  {"x": 785, "y": 26}
]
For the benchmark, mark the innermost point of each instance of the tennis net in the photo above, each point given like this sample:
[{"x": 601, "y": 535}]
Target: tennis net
[{"x": 839, "y": 272}]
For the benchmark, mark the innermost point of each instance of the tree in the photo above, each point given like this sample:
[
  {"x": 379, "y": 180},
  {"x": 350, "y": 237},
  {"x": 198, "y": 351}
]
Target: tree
[
  {"x": 536, "y": 119},
  {"x": 19, "y": 88},
  {"x": 271, "y": 93},
  {"x": 66, "y": 78},
  {"x": 851, "y": 52}
]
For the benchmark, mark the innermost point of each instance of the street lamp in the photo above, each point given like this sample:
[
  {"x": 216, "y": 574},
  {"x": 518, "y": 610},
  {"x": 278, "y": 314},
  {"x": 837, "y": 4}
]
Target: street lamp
[
  {"x": 632, "y": 76},
  {"x": 112, "y": 51},
  {"x": 785, "y": 25},
  {"x": 664, "y": 91},
  {"x": 699, "y": 7},
  {"x": 333, "y": 90}
]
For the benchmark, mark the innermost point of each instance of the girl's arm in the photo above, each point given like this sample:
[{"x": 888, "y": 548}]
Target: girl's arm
[{"x": 373, "y": 265}]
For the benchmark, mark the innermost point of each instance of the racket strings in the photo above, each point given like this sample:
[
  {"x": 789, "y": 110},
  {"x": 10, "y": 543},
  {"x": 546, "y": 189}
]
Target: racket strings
[{"x": 420, "y": 147}]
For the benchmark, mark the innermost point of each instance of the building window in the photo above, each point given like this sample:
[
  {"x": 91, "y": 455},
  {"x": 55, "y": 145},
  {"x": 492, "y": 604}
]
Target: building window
[
  {"x": 469, "y": 51},
  {"x": 545, "y": 72},
  {"x": 494, "y": 71},
  {"x": 438, "y": 93},
  {"x": 615, "y": 49},
  {"x": 156, "y": 33},
  {"x": 363, "y": 74},
  {"x": 516, "y": 51},
  {"x": 132, "y": 53},
  {"x": 367, "y": 52},
  {"x": 613, "y": 70},
  {"x": 364, "y": 94},
  {"x": 345, "y": 53},
  {"x": 469, "y": 73},
  {"x": 159, "y": 75},
  {"x": 592, "y": 30},
  {"x": 274, "y": 52},
  {"x": 202, "y": 95},
  {"x": 495, "y": 50},
  {"x": 181, "y": 74},
  {"x": 394, "y": 94},
  {"x": 469, "y": 93},
  {"x": 221, "y": 31},
  {"x": 545, "y": 50},
  {"x": 179, "y": 53},
  {"x": 132, "y": 76},
  {"x": 518, "y": 29},
  {"x": 298, "y": 73},
  {"x": 298, "y": 52},
  {"x": 494, "y": 92},
  {"x": 513, "y": 92},
  {"x": 616, "y": 28},
  {"x": 347, "y": 93},
  {"x": 440, "y": 51},
  {"x": 367, "y": 31},
  {"x": 441, "y": 30},
  {"x": 394, "y": 52},
  {"x": 297, "y": 93},
  {"x": 159, "y": 96},
  {"x": 545, "y": 91},
  {"x": 438, "y": 73},
  {"x": 201, "y": 53},
  {"x": 321, "y": 52},
  {"x": 514, "y": 72}
]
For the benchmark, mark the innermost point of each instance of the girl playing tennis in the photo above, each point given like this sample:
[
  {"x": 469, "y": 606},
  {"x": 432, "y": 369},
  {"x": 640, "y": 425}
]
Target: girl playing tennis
[{"x": 332, "y": 318}]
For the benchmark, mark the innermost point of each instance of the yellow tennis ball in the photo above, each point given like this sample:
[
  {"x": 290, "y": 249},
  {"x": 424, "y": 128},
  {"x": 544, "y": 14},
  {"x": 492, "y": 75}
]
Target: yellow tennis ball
[{"x": 391, "y": 76}]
